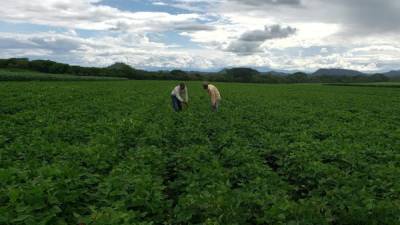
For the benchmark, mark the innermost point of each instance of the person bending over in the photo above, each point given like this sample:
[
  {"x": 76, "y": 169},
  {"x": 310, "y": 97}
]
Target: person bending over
[
  {"x": 214, "y": 95},
  {"x": 179, "y": 97}
]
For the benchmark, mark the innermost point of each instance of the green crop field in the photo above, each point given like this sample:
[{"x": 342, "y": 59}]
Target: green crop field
[
  {"x": 371, "y": 84},
  {"x": 114, "y": 153}
]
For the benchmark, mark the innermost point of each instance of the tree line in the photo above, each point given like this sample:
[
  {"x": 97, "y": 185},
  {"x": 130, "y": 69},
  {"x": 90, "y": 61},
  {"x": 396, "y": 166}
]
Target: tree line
[{"x": 244, "y": 75}]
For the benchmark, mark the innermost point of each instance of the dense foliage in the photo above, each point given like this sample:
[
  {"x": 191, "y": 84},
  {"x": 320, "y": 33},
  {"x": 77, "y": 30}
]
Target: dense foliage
[
  {"x": 244, "y": 75},
  {"x": 114, "y": 153}
]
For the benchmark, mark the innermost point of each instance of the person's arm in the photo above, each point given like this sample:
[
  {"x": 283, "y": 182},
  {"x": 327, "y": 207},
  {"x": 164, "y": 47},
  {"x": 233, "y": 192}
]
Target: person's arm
[
  {"x": 186, "y": 95},
  {"x": 178, "y": 96}
]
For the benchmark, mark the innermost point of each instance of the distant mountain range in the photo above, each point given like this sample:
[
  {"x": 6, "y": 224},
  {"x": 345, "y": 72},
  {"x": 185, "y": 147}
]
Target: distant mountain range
[
  {"x": 235, "y": 74},
  {"x": 393, "y": 73},
  {"x": 351, "y": 73},
  {"x": 337, "y": 73}
]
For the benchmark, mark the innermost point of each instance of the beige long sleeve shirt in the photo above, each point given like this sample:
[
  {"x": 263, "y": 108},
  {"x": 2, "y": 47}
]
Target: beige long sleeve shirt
[{"x": 214, "y": 94}]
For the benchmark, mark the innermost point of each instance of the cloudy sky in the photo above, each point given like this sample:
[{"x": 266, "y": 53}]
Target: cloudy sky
[{"x": 206, "y": 34}]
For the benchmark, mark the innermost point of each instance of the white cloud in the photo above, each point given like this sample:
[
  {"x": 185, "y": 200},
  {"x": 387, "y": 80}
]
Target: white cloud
[
  {"x": 328, "y": 34},
  {"x": 84, "y": 14}
]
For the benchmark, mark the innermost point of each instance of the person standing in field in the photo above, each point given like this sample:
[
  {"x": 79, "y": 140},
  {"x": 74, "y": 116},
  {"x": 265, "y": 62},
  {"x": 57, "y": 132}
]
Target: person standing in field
[
  {"x": 214, "y": 94},
  {"x": 179, "y": 97}
]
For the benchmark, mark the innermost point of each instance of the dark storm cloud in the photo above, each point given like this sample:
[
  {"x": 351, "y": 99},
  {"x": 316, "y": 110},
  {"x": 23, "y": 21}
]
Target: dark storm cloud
[
  {"x": 244, "y": 47},
  {"x": 54, "y": 44},
  {"x": 266, "y": 2},
  {"x": 12, "y": 43},
  {"x": 250, "y": 41},
  {"x": 272, "y": 32},
  {"x": 57, "y": 45},
  {"x": 355, "y": 17},
  {"x": 195, "y": 27},
  {"x": 370, "y": 16}
]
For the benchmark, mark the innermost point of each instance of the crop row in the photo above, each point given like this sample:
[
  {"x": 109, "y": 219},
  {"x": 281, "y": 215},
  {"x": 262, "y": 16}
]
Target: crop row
[{"x": 115, "y": 153}]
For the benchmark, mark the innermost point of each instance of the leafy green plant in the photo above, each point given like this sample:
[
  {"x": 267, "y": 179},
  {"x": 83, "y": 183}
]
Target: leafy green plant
[{"x": 115, "y": 153}]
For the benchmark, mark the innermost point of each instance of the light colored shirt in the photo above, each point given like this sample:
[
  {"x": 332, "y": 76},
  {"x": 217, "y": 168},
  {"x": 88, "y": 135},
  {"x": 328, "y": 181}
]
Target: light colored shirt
[
  {"x": 214, "y": 94},
  {"x": 181, "y": 95}
]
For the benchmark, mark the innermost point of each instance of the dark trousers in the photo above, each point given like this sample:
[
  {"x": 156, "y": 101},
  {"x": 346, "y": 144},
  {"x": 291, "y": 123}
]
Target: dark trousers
[{"x": 176, "y": 104}]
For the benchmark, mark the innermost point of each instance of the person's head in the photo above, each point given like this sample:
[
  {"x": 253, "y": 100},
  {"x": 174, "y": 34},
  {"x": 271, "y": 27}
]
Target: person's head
[
  {"x": 182, "y": 86},
  {"x": 205, "y": 85}
]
